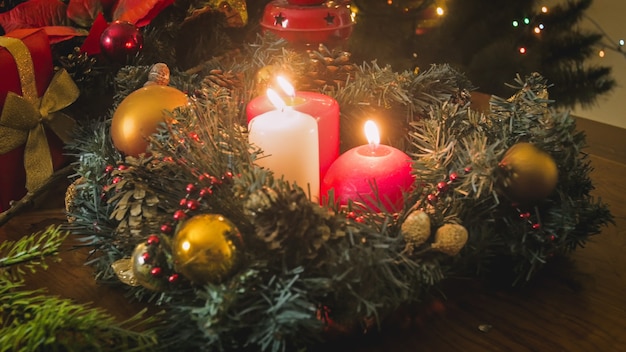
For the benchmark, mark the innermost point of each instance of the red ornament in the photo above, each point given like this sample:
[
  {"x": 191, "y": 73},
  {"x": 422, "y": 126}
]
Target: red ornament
[
  {"x": 308, "y": 22},
  {"x": 120, "y": 41}
]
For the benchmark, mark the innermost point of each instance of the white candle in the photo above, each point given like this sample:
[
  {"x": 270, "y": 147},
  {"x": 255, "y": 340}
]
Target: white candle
[{"x": 290, "y": 144}]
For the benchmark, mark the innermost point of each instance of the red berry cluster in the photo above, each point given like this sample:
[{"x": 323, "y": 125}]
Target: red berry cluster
[
  {"x": 444, "y": 186},
  {"x": 534, "y": 223},
  {"x": 150, "y": 257},
  {"x": 110, "y": 171}
]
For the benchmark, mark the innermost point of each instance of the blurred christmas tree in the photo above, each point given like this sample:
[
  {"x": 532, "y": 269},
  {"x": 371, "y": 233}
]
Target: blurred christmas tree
[{"x": 488, "y": 40}]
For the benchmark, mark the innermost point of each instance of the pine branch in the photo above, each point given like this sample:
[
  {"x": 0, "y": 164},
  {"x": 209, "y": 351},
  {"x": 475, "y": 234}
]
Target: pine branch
[
  {"x": 31, "y": 321},
  {"x": 29, "y": 252}
]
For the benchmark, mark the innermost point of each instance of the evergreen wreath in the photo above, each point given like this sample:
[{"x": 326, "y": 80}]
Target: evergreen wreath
[{"x": 302, "y": 269}]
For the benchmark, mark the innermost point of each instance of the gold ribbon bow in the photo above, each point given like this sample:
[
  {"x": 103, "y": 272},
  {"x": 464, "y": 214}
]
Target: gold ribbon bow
[{"x": 23, "y": 117}]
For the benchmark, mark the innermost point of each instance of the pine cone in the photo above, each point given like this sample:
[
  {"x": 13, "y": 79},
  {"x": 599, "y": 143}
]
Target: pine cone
[
  {"x": 79, "y": 65},
  {"x": 289, "y": 222},
  {"x": 220, "y": 78},
  {"x": 327, "y": 69}
]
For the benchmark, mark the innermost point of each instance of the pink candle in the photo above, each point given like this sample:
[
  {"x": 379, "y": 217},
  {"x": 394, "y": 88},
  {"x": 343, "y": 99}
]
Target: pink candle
[
  {"x": 363, "y": 171},
  {"x": 322, "y": 107}
]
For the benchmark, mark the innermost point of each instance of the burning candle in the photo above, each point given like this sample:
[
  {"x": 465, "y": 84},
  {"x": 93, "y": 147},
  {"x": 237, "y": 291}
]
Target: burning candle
[
  {"x": 323, "y": 108},
  {"x": 289, "y": 142},
  {"x": 364, "y": 171}
]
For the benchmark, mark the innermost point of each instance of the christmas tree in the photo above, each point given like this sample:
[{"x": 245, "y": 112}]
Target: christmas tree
[
  {"x": 239, "y": 256},
  {"x": 488, "y": 40}
]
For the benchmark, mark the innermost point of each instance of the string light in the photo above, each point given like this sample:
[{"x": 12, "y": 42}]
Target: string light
[
  {"x": 526, "y": 20},
  {"x": 621, "y": 42},
  {"x": 515, "y": 23},
  {"x": 601, "y": 53},
  {"x": 440, "y": 11},
  {"x": 537, "y": 30},
  {"x": 544, "y": 9},
  {"x": 522, "y": 50}
]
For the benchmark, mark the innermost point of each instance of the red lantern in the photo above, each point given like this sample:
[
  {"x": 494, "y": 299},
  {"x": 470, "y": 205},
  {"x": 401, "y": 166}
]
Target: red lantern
[
  {"x": 306, "y": 2},
  {"x": 308, "y": 22}
]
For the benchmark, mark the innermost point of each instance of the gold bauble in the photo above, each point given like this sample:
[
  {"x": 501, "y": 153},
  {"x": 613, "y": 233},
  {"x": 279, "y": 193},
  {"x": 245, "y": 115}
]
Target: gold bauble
[
  {"x": 450, "y": 239},
  {"x": 416, "y": 228},
  {"x": 139, "y": 115},
  {"x": 205, "y": 248},
  {"x": 530, "y": 174},
  {"x": 142, "y": 270},
  {"x": 264, "y": 78}
]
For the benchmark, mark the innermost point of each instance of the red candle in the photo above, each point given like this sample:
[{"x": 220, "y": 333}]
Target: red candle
[
  {"x": 322, "y": 107},
  {"x": 364, "y": 171}
]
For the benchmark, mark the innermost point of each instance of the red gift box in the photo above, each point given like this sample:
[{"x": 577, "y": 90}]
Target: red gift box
[{"x": 12, "y": 172}]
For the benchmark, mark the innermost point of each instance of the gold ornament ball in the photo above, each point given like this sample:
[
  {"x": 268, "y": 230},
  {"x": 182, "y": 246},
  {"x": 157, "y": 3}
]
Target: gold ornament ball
[
  {"x": 416, "y": 228},
  {"x": 205, "y": 248},
  {"x": 450, "y": 239},
  {"x": 530, "y": 174},
  {"x": 141, "y": 271},
  {"x": 139, "y": 115}
]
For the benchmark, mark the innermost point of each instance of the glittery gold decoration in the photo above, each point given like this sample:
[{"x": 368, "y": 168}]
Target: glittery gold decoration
[
  {"x": 205, "y": 248},
  {"x": 70, "y": 196},
  {"x": 450, "y": 239},
  {"x": 123, "y": 269},
  {"x": 415, "y": 229}
]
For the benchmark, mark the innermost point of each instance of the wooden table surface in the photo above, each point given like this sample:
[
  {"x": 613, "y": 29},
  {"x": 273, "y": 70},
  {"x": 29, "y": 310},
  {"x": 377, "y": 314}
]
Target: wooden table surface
[{"x": 577, "y": 304}]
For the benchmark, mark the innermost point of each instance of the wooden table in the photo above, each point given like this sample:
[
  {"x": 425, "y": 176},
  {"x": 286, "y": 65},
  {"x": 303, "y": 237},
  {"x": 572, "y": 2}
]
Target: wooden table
[{"x": 577, "y": 304}]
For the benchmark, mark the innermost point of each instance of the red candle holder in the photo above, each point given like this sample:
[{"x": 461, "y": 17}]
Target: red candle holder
[{"x": 326, "y": 23}]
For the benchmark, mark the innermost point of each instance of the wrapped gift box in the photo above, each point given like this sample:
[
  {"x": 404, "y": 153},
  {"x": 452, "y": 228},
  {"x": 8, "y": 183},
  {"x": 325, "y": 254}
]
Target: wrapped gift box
[{"x": 18, "y": 71}]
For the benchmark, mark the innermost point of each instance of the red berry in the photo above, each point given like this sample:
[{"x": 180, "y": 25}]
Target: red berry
[
  {"x": 432, "y": 198},
  {"x": 156, "y": 271},
  {"x": 442, "y": 186},
  {"x": 153, "y": 239},
  {"x": 190, "y": 188},
  {"x": 179, "y": 215},
  {"x": 108, "y": 169},
  {"x": 453, "y": 176},
  {"x": 205, "y": 192},
  {"x": 145, "y": 256},
  {"x": 173, "y": 278},
  {"x": 166, "y": 228},
  {"x": 192, "y": 204}
]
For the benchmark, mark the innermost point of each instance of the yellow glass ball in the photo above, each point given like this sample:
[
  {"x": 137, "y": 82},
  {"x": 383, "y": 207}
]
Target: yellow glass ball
[
  {"x": 205, "y": 248},
  {"x": 530, "y": 173},
  {"x": 139, "y": 115}
]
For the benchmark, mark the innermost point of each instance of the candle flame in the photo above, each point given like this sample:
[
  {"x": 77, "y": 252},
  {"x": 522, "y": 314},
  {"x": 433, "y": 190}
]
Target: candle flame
[
  {"x": 371, "y": 132},
  {"x": 286, "y": 86},
  {"x": 275, "y": 99}
]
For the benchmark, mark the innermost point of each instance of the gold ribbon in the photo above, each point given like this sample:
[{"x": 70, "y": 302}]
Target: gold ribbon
[{"x": 23, "y": 117}]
